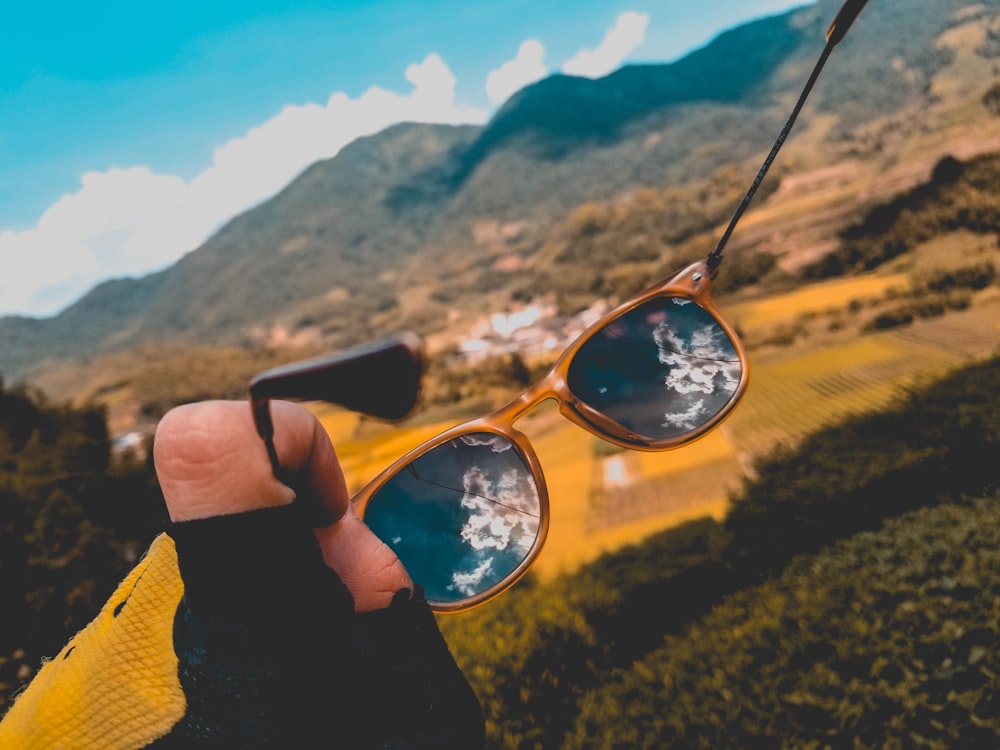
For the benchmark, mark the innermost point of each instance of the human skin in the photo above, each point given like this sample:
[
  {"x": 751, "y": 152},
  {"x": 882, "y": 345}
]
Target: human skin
[{"x": 210, "y": 462}]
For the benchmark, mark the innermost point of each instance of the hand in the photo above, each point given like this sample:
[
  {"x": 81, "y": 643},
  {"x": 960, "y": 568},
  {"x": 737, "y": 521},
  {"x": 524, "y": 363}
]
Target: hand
[
  {"x": 291, "y": 635},
  {"x": 210, "y": 462}
]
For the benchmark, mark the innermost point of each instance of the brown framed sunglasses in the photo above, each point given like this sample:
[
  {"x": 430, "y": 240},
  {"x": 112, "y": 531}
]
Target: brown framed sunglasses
[{"x": 467, "y": 512}]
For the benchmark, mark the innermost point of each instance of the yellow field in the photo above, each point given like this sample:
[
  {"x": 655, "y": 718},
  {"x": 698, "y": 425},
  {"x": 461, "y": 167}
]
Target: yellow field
[
  {"x": 814, "y": 298},
  {"x": 600, "y": 502},
  {"x": 364, "y": 459}
]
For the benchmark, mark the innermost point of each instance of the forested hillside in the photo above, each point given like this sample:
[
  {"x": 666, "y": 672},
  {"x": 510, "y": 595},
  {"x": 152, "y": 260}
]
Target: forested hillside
[{"x": 385, "y": 231}]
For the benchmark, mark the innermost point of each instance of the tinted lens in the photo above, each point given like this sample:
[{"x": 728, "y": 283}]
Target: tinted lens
[
  {"x": 461, "y": 517},
  {"x": 661, "y": 370}
]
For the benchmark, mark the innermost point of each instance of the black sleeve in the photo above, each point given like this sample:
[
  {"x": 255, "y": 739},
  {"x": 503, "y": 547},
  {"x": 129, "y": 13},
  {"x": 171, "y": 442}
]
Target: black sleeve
[
  {"x": 271, "y": 653},
  {"x": 407, "y": 666}
]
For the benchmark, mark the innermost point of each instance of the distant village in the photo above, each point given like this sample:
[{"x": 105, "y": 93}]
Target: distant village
[{"x": 533, "y": 330}]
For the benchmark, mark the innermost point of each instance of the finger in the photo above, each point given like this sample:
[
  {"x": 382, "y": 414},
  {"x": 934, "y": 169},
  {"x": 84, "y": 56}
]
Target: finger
[
  {"x": 210, "y": 461},
  {"x": 309, "y": 463},
  {"x": 368, "y": 567}
]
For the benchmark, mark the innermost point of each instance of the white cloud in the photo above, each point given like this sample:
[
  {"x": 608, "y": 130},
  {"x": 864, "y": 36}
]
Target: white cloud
[
  {"x": 468, "y": 584},
  {"x": 627, "y": 34},
  {"x": 82, "y": 236},
  {"x": 132, "y": 221},
  {"x": 527, "y": 67},
  {"x": 36, "y": 266}
]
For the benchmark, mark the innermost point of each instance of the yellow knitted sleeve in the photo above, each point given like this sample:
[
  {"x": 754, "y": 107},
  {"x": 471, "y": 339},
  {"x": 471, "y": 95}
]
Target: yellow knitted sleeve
[{"x": 114, "y": 686}]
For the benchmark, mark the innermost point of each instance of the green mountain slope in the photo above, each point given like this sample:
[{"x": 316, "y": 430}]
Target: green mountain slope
[{"x": 378, "y": 236}]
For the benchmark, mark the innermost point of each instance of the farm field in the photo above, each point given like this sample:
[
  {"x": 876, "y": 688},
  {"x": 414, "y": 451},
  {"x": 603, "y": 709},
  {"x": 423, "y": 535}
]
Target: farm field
[
  {"x": 813, "y": 298},
  {"x": 601, "y": 498}
]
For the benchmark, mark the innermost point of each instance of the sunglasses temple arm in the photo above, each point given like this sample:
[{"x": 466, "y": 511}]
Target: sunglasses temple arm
[
  {"x": 843, "y": 21},
  {"x": 381, "y": 379},
  {"x": 848, "y": 12},
  {"x": 265, "y": 428}
]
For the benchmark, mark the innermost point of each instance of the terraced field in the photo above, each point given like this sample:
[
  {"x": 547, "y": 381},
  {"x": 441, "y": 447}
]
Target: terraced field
[
  {"x": 813, "y": 298},
  {"x": 602, "y": 499},
  {"x": 797, "y": 392}
]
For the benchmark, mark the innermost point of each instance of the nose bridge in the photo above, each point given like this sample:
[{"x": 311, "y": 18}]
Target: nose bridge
[{"x": 527, "y": 400}]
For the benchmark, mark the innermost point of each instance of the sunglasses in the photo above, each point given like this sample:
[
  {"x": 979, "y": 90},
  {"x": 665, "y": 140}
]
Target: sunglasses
[{"x": 467, "y": 512}]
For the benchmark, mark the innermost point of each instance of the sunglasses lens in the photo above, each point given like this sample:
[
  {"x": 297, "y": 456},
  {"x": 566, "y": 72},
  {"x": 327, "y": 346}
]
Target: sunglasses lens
[
  {"x": 461, "y": 517},
  {"x": 661, "y": 370}
]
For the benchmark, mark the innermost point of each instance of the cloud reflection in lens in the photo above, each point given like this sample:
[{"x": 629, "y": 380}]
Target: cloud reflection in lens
[
  {"x": 660, "y": 370},
  {"x": 461, "y": 517}
]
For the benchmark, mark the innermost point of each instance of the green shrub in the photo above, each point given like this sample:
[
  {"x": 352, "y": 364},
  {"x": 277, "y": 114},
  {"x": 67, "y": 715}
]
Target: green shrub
[
  {"x": 886, "y": 639},
  {"x": 977, "y": 276},
  {"x": 957, "y": 196}
]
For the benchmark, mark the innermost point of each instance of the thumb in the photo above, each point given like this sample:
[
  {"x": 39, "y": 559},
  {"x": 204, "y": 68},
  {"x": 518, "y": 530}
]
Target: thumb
[{"x": 369, "y": 568}]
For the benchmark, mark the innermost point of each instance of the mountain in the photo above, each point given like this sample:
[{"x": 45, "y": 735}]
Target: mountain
[{"x": 403, "y": 226}]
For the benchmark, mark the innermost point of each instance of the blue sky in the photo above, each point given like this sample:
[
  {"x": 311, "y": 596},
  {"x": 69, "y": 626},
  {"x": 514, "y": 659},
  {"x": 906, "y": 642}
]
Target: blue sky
[{"x": 129, "y": 132}]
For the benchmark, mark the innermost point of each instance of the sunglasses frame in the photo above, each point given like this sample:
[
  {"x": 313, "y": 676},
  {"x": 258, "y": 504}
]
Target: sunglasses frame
[{"x": 692, "y": 283}]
